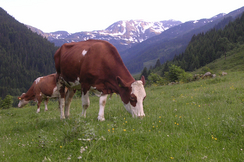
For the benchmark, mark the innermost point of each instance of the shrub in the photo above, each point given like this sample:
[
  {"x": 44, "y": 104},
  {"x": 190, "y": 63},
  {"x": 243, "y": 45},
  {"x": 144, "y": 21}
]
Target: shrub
[
  {"x": 155, "y": 79},
  {"x": 206, "y": 69},
  {"x": 177, "y": 74},
  {"x": 7, "y": 102}
]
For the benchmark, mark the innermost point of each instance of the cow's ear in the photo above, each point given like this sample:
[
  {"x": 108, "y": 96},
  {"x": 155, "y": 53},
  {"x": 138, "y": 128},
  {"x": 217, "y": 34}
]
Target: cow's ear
[
  {"x": 143, "y": 80},
  {"x": 121, "y": 82}
]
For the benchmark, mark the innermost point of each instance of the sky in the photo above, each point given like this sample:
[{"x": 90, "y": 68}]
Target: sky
[{"x": 88, "y": 15}]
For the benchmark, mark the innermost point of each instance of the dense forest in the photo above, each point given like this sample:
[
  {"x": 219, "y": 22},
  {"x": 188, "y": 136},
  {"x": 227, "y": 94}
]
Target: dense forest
[
  {"x": 206, "y": 47},
  {"x": 24, "y": 56}
]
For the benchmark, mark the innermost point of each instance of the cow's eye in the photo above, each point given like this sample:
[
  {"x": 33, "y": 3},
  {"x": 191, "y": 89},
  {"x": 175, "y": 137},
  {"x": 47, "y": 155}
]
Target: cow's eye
[{"x": 133, "y": 97}]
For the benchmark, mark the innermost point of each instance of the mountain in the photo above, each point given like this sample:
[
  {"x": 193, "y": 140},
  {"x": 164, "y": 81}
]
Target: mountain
[
  {"x": 24, "y": 56},
  {"x": 171, "y": 42},
  {"x": 122, "y": 34}
]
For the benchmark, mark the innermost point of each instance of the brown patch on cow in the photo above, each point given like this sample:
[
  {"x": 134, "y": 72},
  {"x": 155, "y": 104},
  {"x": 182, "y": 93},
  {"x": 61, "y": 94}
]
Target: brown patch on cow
[{"x": 104, "y": 102}]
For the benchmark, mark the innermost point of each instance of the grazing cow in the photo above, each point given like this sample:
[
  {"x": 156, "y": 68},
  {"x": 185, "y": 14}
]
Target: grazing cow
[
  {"x": 42, "y": 88},
  {"x": 96, "y": 65}
]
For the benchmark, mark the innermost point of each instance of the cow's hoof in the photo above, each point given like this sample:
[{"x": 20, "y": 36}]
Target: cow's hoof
[
  {"x": 46, "y": 109},
  {"x": 99, "y": 118},
  {"x": 62, "y": 117}
]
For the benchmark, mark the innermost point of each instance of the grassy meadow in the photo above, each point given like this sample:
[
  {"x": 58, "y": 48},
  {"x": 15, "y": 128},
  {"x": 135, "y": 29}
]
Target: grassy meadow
[{"x": 197, "y": 121}]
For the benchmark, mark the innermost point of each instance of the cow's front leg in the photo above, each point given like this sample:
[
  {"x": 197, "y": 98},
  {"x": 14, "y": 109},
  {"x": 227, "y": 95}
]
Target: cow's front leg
[
  {"x": 68, "y": 98},
  {"x": 45, "y": 103},
  {"x": 102, "y": 102},
  {"x": 85, "y": 103}
]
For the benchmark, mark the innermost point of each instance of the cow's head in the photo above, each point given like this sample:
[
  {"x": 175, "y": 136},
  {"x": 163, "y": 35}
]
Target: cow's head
[
  {"x": 132, "y": 96},
  {"x": 22, "y": 101}
]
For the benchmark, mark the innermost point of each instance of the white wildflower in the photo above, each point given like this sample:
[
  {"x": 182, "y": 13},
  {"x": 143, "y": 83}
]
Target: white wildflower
[{"x": 82, "y": 149}]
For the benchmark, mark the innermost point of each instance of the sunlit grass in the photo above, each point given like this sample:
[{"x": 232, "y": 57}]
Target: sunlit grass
[{"x": 198, "y": 121}]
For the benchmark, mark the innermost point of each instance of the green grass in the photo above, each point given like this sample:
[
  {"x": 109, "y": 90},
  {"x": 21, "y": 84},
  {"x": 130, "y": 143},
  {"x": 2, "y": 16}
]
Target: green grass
[{"x": 197, "y": 121}]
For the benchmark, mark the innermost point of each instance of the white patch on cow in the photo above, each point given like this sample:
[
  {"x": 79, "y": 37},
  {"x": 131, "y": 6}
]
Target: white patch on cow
[
  {"x": 38, "y": 80},
  {"x": 22, "y": 103},
  {"x": 40, "y": 94},
  {"x": 61, "y": 107},
  {"x": 38, "y": 110},
  {"x": 102, "y": 102},
  {"x": 55, "y": 92},
  {"x": 139, "y": 91},
  {"x": 45, "y": 103},
  {"x": 84, "y": 52},
  {"x": 85, "y": 103}
]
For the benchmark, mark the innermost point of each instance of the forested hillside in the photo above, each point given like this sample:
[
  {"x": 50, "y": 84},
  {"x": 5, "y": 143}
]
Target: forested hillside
[
  {"x": 24, "y": 56},
  {"x": 207, "y": 47}
]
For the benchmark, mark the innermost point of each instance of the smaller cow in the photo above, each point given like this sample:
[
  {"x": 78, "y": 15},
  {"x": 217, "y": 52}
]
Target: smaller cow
[{"x": 42, "y": 88}]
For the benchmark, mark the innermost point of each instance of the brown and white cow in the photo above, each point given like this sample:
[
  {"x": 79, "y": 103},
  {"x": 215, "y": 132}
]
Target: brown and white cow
[
  {"x": 97, "y": 65},
  {"x": 42, "y": 88}
]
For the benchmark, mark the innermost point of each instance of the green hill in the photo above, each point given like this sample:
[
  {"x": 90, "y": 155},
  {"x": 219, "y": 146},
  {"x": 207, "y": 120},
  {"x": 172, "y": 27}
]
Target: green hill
[{"x": 24, "y": 56}]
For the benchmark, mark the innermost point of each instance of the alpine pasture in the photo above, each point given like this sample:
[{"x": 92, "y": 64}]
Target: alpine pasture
[{"x": 197, "y": 121}]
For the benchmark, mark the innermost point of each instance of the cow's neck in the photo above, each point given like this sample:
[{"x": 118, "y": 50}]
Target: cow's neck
[{"x": 30, "y": 95}]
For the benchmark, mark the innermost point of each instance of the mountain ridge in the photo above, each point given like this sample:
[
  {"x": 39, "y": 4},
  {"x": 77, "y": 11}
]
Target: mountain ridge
[{"x": 122, "y": 34}]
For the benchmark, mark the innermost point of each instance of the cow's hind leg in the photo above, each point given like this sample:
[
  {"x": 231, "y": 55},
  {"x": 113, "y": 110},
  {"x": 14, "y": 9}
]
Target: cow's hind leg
[
  {"x": 85, "y": 103},
  {"x": 45, "y": 103},
  {"x": 102, "y": 102},
  {"x": 38, "y": 107},
  {"x": 68, "y": 98},
  {"x": 38, "y": 100},
  {"x": 61, "y": 99}
]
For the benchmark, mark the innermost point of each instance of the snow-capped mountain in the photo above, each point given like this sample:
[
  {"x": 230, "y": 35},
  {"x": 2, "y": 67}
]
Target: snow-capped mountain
[{"x": 122, "y": 34}]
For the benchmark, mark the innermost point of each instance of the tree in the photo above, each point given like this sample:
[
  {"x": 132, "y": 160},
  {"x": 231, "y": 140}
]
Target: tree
[
  {"x": 144, "y": 73},
  {"x": 158, "y": 64},
  {"x": 223, "y": 45},
  {"x": 165, "y": 69}
]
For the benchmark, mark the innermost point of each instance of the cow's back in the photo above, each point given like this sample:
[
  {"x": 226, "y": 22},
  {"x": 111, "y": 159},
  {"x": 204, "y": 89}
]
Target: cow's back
[{"x": 91, "y": 62}]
